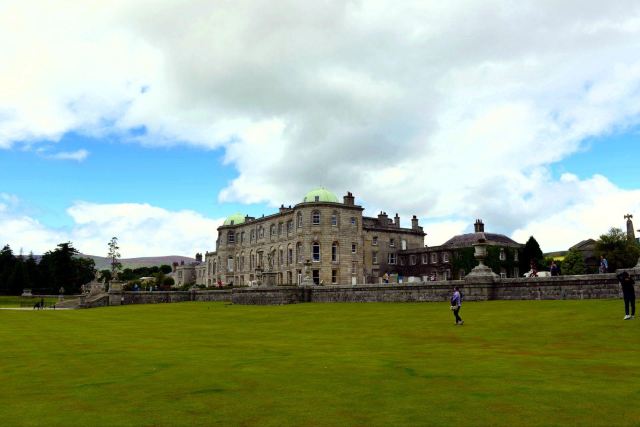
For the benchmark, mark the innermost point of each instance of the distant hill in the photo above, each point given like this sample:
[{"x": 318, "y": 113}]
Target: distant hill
[{"x": 103, "y": 263}]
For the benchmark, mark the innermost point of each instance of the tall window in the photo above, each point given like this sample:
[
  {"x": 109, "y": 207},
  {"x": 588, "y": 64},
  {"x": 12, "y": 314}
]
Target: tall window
[
  {"x": 334, "y": 252},
  {"x": 503, "y": 255},
  {"x": 391, "y": 258},
  {"x": 273, "y": 230},
  {"x": 445, "y": 257},
  {"x": 374, "y": 241},
  {"x": 425, "y": 258},
  {"x": 392, "y": 242},
  {"x": 353, "y": 267},
  {"x": 289, "y": 226},
  {"x": 353, "y": 220},
  {"x": 316, "y": 277},
  {"x": 231, "y": 237},
  {"x": 279, "y": 228},
  {"x": 334, "y": 219},
  {"x": 515, "y": 257},
  {"x": 299, "y": 219},
  {"x": 299, "y": 252},
  {"x": 289, "y": 255},
  {"x": 315, "y": 217},
  {"x": 354, "y": 248},
  {"x": 230, "y": 264},
  {"x": 434, "y": 258},
  {"x": 334, "y": 276},
  {"x": 261, "y": 230},
  {"x": 315, "y": 251},
  {"x": 252, "y": 236},
  {"x": 374, "y": 257}
]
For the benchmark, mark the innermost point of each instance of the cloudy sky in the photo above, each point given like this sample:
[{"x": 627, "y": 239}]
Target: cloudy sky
[{"x": 153, "y": 120}]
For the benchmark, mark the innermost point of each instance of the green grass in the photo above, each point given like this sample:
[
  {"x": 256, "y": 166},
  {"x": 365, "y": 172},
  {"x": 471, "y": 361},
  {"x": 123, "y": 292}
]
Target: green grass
[{"x": 513, "y": 363}]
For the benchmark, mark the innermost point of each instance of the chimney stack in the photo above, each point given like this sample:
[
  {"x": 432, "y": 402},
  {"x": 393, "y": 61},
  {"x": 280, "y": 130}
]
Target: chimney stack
[
  {"x": 414, "y": 223},
  {"x": 478, "y": 226},
  {"x": 198, "y": 257},
  {"x": 349, "y": 199},
  {"x": 396, "y": 220},
  {"x": 382, "y": 218}
]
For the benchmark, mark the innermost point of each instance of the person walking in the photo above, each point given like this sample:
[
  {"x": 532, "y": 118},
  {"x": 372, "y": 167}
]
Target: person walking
[
  {"x": 629, "y": 295},
  {"x": 456, "y": 304}
]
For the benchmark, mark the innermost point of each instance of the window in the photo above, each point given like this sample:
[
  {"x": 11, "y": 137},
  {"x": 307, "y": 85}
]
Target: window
[
  {"x": 252, "y": 260},
  {"x": 279, "y": 228},
  {"x": 413, "y": 259},
  {"x": 374, "y": 241},
  {"x": 334, "y": 219},
  {"x": 252, "y": 236},
  {"x": 354, "y": 248},
  {"x": 353, "y": 220},
  {"x": 289, "y": 226},
  {"x": 316, "y": 277},
  {"x": 272, "y": 230},
  {"x": 299, "y": 252},
  {"x": 515, "y": 256},
  {"x": 391, "y": 259},
  {"x": 503, "y": 255},
  {"x": 315, "y": 251},
  {"x": 334, "y": 252},
  {"x": 392, "y": 242},
  {"x": 334, "y": 276},
  {"x": 315, "y": 217},
  {"x": 242, "y": 262},
  {"x": 425, "y": 258},
  {"x": 230, "y": 264},
  {"x": 299, "y": 219},
  {"x": 316, "y": 198},
  {"x": 231, "y": 237},
  {"x": 289, "y": 255},
  {"x": 261, "y": 231},
  {"x": 445, "y": 257},
  {"x": 353, "y": 267},
  {"x": 434, "y": 258},
  {"x": 403, "y": 244},
  {"x": 374, "y": 257},
  {"x": 281, "y": 256}
]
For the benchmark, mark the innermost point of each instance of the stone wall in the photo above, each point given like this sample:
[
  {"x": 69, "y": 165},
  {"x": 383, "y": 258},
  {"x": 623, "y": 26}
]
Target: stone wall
[{"x": 537, "y": 288}]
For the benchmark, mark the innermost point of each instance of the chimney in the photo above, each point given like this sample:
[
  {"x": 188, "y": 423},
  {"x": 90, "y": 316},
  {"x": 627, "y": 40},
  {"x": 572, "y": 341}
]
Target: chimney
[
  {"x": 282, "y": 209},
  {"x": 198, "y": 257},
  {"x": 414, "y": 223},
  {"x": 349, "y": 199},
  {"x": 478, "y": 226},
  {"x": 382, "y": 218},
  {"x": 396, "y": 220},
  {"x": 174, "y": 265}
]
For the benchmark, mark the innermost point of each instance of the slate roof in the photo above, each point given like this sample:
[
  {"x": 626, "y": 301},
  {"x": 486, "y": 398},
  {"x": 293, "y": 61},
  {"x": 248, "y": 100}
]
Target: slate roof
[{"x": 466, "y": 240}]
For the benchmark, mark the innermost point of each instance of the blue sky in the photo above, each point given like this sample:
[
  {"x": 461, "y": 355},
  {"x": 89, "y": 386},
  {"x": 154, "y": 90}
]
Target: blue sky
[{"x": 115, "y": 122}]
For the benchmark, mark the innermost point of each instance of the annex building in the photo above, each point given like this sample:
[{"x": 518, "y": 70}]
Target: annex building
[{"x": 331, "y": 238}]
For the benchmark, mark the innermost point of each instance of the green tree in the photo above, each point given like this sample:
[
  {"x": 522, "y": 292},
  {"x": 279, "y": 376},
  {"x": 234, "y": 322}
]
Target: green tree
[
  {"x": 531, "y": 252},
  {"x": 619, "y": 251},
  {"x": 7, "y": 264},
  {"x": 573, "y": 263},
  {"x": 106, "y": 275},
  {"x": 166, "y": 269},
  {"x": 61, "y": 268},
  {"x": 114, "y": 255}
]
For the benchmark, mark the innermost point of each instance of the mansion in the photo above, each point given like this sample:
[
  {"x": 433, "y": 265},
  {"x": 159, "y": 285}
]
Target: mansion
[
  {"x": 337, "y": 244},
  {"x": 341, "y": 245}
]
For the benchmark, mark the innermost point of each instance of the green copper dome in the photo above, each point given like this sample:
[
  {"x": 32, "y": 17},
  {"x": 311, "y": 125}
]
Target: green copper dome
[
  {"x": 320, "y": 195},
  {"x": 234, "y": 219}
]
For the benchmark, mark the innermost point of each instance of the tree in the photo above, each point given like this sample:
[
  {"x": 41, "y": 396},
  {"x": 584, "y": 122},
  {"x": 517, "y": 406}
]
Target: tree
[
  {"x": 573, "y": 263},
  {"x": 7, "y": 264},
  {"x": 619, "y": 251},
  {"x": 62, "y": 268},
  {"x": 531, "y": 252},
  {"x": 106, "y": 275},
  {"x": 114, "y": 254},
  {"x": 166, "y": 269}
]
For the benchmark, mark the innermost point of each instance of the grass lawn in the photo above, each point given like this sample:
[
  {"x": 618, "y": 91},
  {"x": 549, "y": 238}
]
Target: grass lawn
[{"x": 513, "y": 363}]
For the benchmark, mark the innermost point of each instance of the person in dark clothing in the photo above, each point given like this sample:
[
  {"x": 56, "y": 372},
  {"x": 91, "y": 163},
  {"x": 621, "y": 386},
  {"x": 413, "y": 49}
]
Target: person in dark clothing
[
  {"x": 456, "y": 304},
  {"x": 629, "y": 295}
]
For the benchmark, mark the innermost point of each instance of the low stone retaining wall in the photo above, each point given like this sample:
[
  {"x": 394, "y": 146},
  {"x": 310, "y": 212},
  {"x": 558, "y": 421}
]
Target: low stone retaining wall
[
  {"x": 157, "y": 297},
  {"x": 482, "y": 289}
]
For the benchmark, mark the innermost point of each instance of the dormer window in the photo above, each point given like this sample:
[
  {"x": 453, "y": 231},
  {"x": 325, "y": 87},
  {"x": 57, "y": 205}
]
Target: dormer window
[{"x": 317, "y": 198}]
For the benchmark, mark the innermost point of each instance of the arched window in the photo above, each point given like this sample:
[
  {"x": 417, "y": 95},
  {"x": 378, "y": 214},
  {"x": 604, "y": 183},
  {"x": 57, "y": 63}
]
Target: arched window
[
  {"x": 315, "y": 252},
  {"x": 334, "y": 252},
  {"x": 299, "y": 252},
  {"x": 315, "y": 217},
  {"x": 299, "y": 219}
]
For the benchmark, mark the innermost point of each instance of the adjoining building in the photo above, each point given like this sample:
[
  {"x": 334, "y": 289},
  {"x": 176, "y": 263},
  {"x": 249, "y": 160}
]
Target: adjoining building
[
  {"x": 454, "y": 258},
  {"x": 341, "y": 245}
]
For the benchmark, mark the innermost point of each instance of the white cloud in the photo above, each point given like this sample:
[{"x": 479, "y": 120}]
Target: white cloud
[
  {"x": 78, "y": 155},
  {"x": 142, "y": 230},
  {"x": 449, "y": 110}
]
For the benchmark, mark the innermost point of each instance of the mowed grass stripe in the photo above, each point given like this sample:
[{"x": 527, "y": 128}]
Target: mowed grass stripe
[{"x": 512, "y": 363}]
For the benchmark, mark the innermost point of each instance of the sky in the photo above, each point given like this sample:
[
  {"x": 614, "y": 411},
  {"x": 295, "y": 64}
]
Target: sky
[{"x": 152, "y": 121}]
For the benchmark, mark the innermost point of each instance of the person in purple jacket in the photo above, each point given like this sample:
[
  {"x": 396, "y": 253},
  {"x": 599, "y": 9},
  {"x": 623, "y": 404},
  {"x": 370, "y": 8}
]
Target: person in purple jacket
[{"x": 456, "y": 304}]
